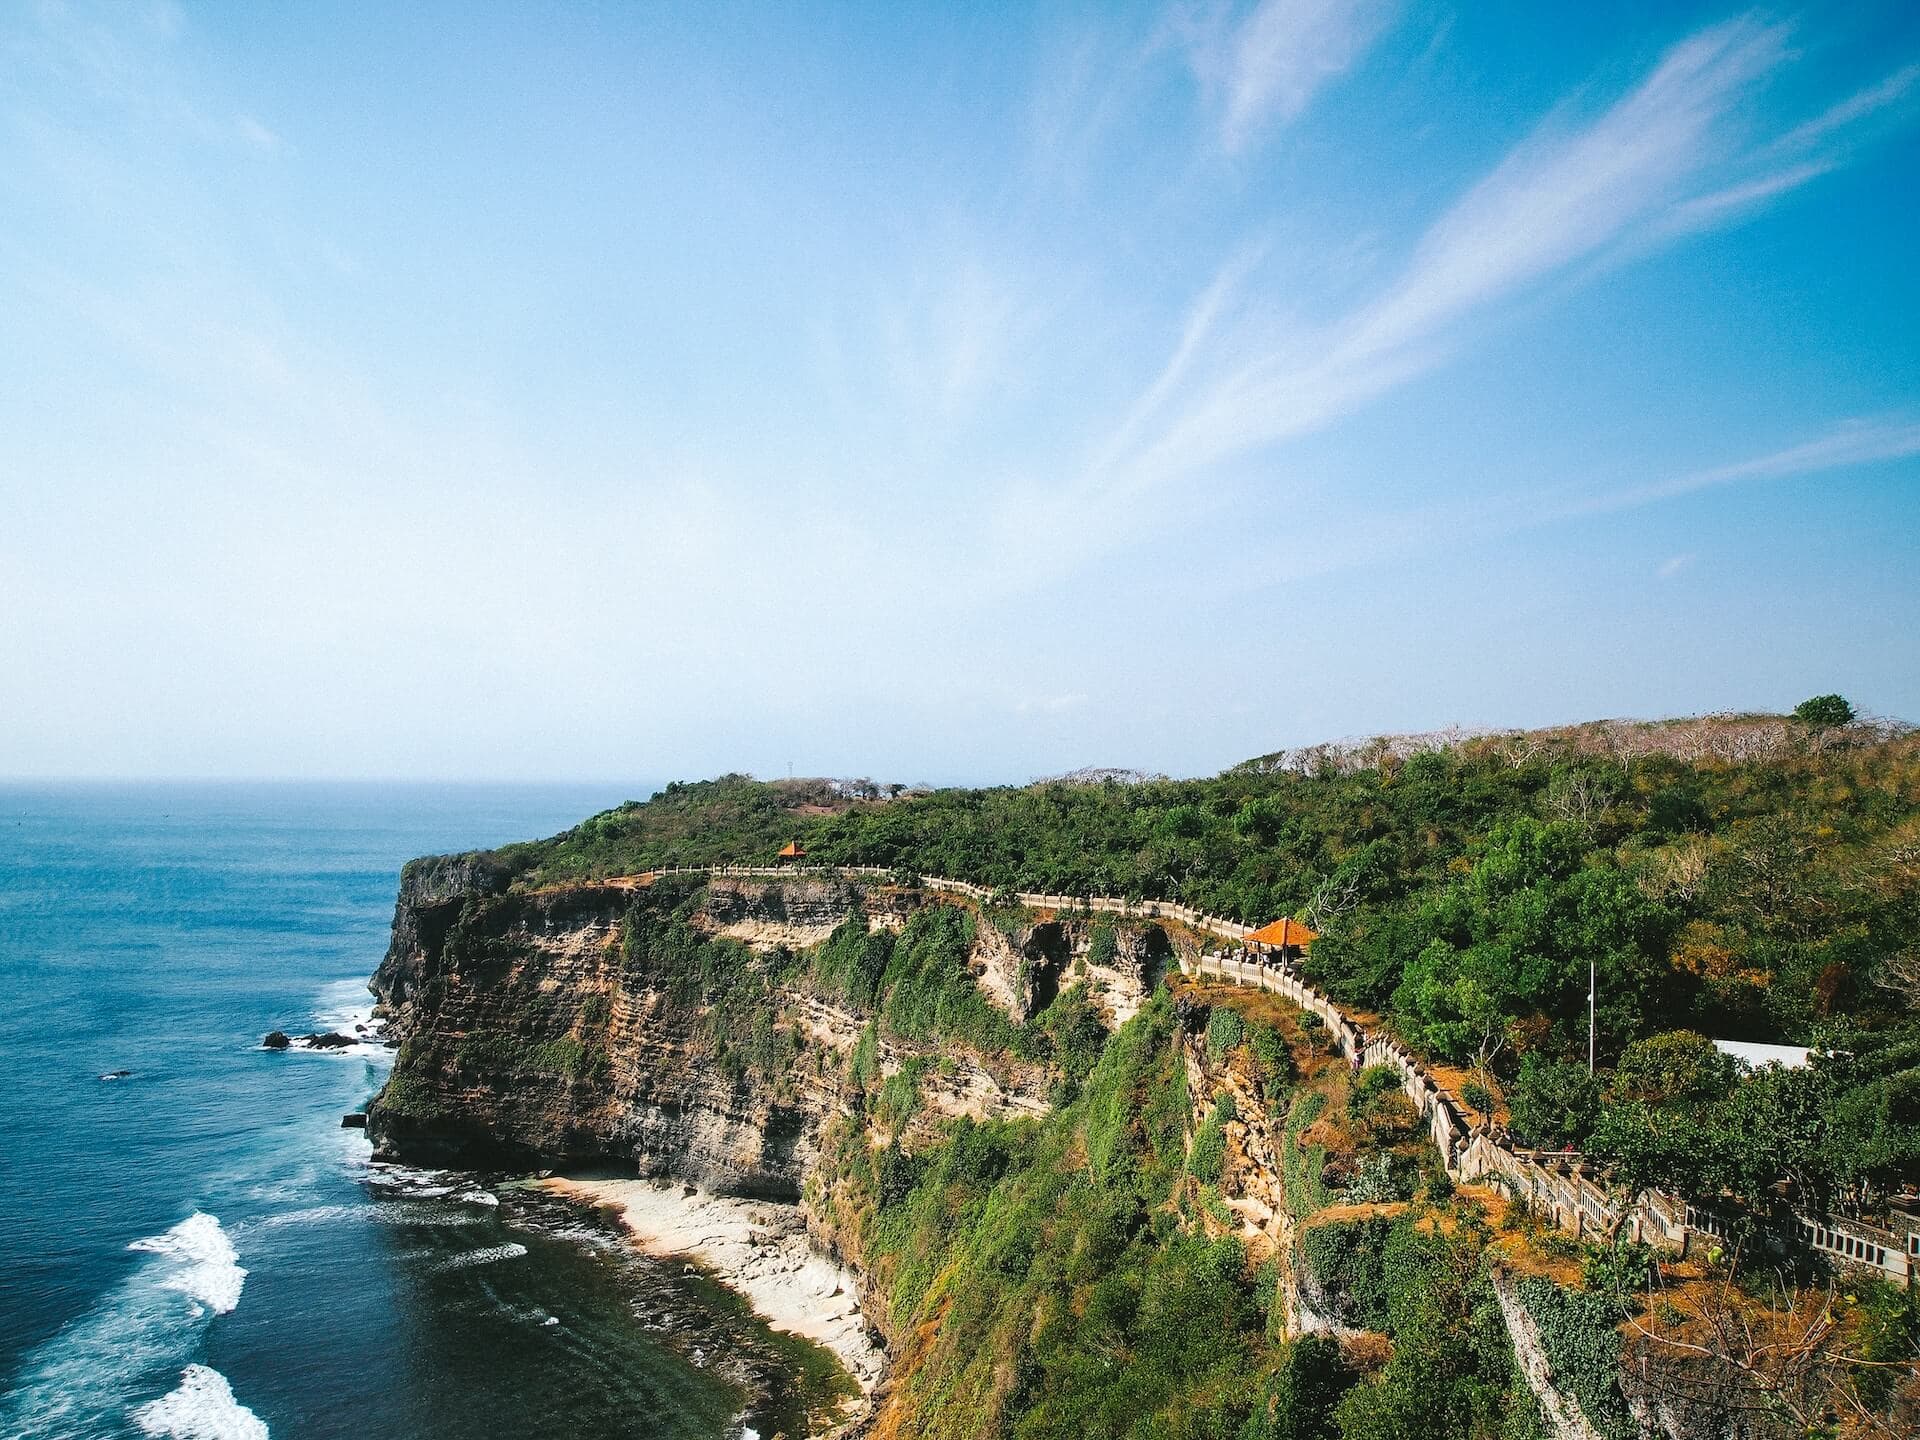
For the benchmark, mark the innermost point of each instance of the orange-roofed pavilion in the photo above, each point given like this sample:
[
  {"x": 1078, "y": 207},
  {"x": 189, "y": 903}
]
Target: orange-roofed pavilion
[
  {"x": 1283, "y": 933},
  {"x": 792, "y": 851}
]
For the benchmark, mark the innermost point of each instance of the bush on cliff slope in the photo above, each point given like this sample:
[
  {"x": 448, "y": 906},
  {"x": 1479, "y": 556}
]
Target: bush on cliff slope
[{"x": 1045, "y": 1286}]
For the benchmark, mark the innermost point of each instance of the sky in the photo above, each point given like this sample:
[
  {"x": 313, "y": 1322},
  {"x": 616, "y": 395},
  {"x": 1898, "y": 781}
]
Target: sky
[{"x": 942, "y": 393}]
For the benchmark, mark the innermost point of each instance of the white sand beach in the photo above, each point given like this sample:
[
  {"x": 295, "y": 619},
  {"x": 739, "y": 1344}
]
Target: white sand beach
[{"x": 756, "y": 1248}]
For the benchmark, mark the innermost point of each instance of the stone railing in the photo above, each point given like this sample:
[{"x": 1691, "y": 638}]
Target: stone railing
[{"x": 1559, "y": 1186}]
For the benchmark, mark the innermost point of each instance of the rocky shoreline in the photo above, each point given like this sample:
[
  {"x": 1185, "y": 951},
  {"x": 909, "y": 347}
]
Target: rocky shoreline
[{"x": 758, "y": 1249}]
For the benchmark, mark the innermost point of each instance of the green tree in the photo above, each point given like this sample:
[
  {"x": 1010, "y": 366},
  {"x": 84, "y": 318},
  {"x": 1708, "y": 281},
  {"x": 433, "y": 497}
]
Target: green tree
[
  {"x": 1824, "y": 712},
  {"x": 1678, "y": 1066},
  {"x": 1516, "y": 934},
  {"x": 1554, "y": 1102}
]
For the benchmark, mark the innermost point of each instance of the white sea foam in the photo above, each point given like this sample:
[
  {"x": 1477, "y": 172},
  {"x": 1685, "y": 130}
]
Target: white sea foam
[
  {"x": 385, "y": 1175},
  {"x": 75, "y": 1382},
  {"x": 208, "y": 1267},
  {"x": 345, "y": 1008},
  {"x": 486, "y": 1255},
  {"x": 202, "y": 1408},
  {"x": 343, "y": 1005},
  {"x": 312, "y": 1215}
]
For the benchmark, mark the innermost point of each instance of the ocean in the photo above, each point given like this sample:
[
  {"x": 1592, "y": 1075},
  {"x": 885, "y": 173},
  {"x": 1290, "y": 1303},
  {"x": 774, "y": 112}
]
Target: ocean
[{"x": 196, "y": 1248}]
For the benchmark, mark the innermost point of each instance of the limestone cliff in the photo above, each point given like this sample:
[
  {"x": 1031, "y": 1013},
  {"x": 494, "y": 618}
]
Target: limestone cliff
[{"x": 530, "y": 1038}]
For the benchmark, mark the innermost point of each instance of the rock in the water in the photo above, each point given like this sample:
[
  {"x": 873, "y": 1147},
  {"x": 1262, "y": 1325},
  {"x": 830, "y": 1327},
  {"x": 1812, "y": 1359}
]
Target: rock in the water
[
  {"x": 353, "y": 1120},
  {"x": 276, "y": 1040},
  {"x": 332, "y": 1040},
  {"x": 116, "y": 1074}
]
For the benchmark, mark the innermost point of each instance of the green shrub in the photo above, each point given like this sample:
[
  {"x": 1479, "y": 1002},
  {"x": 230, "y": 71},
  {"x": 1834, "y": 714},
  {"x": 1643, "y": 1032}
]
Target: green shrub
[
  {"x": 1554, "y": 1102},
  {"x": 1275, "y": 1060},
  {"x": 1370, "y": 1087},
  {"x": 1300, "y": 1165},
  {"x": 1103, "y": 945},
  {"x": 1209, "y": 1152},
  {"x": 1225, "y": 1029},
  {"x": 852, "y": 961},
  {"x": 899, "y": 1098},
  {"x": 1889, "y": 1335},
  {"x": 565, "y": 1056},
  {"x": 1300, "y": 1396},
  {"x": 1380, "y": 1177},
  {"x": 1618, "y": 1273},
  {"x": 1348, "y": 1258},
  {"x": 928, "y": 993},
  {"x": 865, "y": 1063}
]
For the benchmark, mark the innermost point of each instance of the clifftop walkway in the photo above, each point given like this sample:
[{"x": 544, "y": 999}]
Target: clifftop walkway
[{"x": 1561, "y": 1186}]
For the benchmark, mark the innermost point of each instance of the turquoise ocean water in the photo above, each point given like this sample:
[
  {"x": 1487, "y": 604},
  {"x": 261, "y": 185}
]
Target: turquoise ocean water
[{"x": 197, "y": 1249}]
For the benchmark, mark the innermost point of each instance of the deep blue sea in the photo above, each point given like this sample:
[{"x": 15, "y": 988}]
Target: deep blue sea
[{"x": 198, "y": 1249}]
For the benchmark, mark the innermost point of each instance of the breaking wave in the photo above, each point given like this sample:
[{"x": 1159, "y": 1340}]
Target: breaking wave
[
  {"x": 209, "y": 1268},
  {"x": 202, "y": 1408},
  {"x": 76, "y": 1383}
]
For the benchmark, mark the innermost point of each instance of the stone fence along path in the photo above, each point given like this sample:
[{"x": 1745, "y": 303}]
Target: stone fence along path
[{"x": 1562, "y": 1187}]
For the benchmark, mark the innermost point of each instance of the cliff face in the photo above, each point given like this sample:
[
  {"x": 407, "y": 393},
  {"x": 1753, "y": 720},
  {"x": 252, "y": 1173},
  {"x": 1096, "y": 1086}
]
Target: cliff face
[
  {"x": 525, "y": 1040},
  {"x": 529, "y": 1037},
  {"x": 598, "y": 1024}
]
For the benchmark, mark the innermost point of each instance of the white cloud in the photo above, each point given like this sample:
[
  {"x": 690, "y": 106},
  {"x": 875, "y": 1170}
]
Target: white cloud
[
  {"x": 1852, "y": 110},
  {"x": 1707, "y": 211},
  {"x": 1665, "y": 158},
  {"x": 1859, "y": 442},
  {"x": 1285, "y": 52},
  {"x": 1559, "y": 198},
  {"x": 1372, "y": 538}
]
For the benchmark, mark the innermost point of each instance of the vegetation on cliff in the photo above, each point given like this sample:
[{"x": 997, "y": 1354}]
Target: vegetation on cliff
[
  {"x": 1750, "y": 878},
  {"x": 1088, "y": 1272},
  {"x": 1079, "y": 1276}
]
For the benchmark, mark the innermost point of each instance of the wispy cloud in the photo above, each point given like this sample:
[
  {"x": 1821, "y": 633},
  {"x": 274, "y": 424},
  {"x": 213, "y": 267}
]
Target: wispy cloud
[
  {"x": 1283, "y": 53},
  {"x": 1563, "y": 196},
  {"x": 1369, "y": 539},
  {"x": 1860, "y": 442},
  {"x": 1811, "y": 149},
  {"x": 1664, "y": 158},
  {"x": 1203, "y": 318},
  {"x": 1706, "y": 211},
  {"x": 255, "y": 134},
  {"x": 122, "y": 59},
  {"x": 1852, "y": 110}
]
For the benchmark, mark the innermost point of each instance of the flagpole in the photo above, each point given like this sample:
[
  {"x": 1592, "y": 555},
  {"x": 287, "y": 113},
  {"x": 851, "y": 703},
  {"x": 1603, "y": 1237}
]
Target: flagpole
[{"x": 1591, "y": 973}]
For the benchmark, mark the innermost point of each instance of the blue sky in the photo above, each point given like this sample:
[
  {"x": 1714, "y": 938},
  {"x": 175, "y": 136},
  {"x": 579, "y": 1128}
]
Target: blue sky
[{"x": 942, "y": 393}]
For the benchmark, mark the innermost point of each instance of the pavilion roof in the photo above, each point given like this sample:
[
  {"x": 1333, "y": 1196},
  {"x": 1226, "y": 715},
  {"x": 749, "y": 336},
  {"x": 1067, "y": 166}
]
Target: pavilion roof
[
  {"x": 791, "y": 850},
  {"x": 1283, "y": 932}
]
